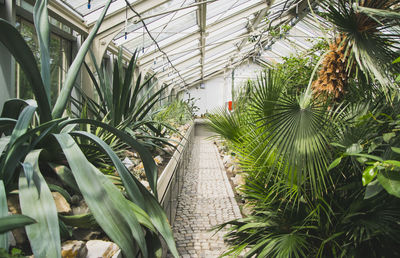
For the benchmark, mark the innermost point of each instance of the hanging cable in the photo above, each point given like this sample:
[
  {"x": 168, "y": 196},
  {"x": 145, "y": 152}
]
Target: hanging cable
[{"x": 155, "y": 42}]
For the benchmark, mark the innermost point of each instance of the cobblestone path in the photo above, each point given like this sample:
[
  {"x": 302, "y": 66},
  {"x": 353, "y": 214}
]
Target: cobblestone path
[{"x": 206, "y": 200}]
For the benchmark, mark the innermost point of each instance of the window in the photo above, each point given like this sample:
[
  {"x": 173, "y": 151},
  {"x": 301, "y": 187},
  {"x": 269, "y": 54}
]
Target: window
[{"x": 60, "y": 57}]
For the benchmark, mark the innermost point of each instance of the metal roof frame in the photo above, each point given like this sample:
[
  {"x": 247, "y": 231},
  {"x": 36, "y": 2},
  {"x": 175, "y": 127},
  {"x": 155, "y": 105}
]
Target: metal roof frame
[{"x": 218, "y": 40}]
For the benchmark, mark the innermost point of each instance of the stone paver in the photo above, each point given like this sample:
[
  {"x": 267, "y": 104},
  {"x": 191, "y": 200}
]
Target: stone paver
[{"x": 206, "y": 200}]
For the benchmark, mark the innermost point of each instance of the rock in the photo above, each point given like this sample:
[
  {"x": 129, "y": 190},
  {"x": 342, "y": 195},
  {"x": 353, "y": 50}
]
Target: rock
[
  {"x": 127, "y": 162},
  {"x": 231, "y": 169},
  {"x": 145, "y": 184},
  {"x": 61, "y": 204},
  {"x": 238, "y": 180},
  {"x": 158, "y": 160},
  {"x": 73, "y": 249},
  {"x": 174, "y": 140},
  {"x": 168, "y": 149},
  {"x": 129, "y": 153},
  {"x": 140, "y": 166},
  {"x": 99, "y": 248},
  {"x": 20, "y": 237},
  {"x": 13, "y": 204},
  {"x": 82, "y": 208},
  {"x": 227, "y": 160},
  {"x": 11, "y": 239}
]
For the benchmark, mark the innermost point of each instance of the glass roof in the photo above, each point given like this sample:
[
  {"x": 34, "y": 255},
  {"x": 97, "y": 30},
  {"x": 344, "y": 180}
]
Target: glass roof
[{"x": 202, "y": 37}]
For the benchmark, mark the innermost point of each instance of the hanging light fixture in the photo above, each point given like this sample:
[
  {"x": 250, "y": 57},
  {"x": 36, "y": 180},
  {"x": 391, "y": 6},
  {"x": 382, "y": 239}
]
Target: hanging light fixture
[
  {"x": 126, "y": 23},
  {"x": 143, "y": 41},
  {"x": 88, "y": 4}
]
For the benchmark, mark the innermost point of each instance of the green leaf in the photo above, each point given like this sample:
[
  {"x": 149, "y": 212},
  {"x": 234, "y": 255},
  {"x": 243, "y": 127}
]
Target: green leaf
[
  {"x": 65, "y": 174},
  {"x": 81, "y": 220},
  {"x": 388, "y": 136},
  {"x": 150, "y": 166},
  {"x": 372, "y": 147},
  {"x": 355, "y": 148},
  {"x": 14, "y": 221},
  {"x": 369, "y": 174},
  {"x": 42, "y": 26},
  {"x": 367, "y": 156},
  {"x": 372, "y": 189},
  {"x": 138, "y": 194},
  {"x": 44, "y": 236},
  {"x": 23, "y": 122},
  {"x": 3, "y": 213},
  {"x": 75, "y": 67},
  {"x": 62, "y": 191},
  {"x": 392, "y": 162},
  {"x": 397, "y": 60},
  {"x": 13, "y": 41},
  {"x": 334, "y": 163},
  {"x": 13, "y": 107},
  {"x": 395, "y": 149},
  {"x": 105, "y": 201},
  {"x": 390, "y": 180}
]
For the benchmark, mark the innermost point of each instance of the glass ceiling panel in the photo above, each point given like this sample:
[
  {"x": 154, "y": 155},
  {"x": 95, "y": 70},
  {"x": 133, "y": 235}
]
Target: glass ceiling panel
[
  {"x": 222, "y": 33},
  {"x": 230, "y": 9},
  {"x": 221, "y": 44},
  {"x": 176, "y": 27}
]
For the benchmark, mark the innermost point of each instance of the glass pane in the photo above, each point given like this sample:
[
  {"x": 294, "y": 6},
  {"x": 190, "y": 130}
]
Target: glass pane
[{"x": 60, "y": 55}]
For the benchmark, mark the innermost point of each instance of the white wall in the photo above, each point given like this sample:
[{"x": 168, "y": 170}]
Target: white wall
[{"x": 217, "y": 90}]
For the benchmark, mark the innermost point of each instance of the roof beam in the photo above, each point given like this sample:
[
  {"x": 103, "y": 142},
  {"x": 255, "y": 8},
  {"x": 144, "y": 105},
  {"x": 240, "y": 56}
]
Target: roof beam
[
  {"x": 252, "y": 26},
  {"x": 115, "y": 22},
  {"x": 67, "y": 16},
  {"x": 179, "y": 42}
]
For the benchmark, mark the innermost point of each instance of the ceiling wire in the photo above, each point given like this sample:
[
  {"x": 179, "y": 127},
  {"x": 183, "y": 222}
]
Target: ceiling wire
[{"x": 155, "y": 42}]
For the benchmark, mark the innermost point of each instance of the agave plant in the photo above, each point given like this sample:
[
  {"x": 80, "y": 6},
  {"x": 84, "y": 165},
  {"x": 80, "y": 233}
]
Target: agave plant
[
  {"x": 50, "y": 147},
  {"x": 126, "y": 101}
]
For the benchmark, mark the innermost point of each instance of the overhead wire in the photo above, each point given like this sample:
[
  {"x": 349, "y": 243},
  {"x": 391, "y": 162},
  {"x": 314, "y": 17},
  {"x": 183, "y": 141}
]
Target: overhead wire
[{"x": 155, "y": 41}]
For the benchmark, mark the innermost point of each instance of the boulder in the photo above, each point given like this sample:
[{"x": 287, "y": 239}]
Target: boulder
[
  {"x": 82, "y": 208},
  {"x": 140, "y": 166},
  {"x": 99, "y": 248},
  {"x": 227, "y": 160},
  {"x": 13, "y": 204},
  {"x": 61, "y": 204},
  {"x": 73, "y": 249},
  {"x": 127, "y": 162},
  {"x": 145, "y": 184},
  {"x": 158, "y": 160},
  {"x": 238, "y": 180}
]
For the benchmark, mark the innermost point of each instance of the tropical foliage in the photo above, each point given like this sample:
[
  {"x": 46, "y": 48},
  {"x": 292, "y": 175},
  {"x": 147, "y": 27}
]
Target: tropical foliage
[
  {"x": 321, "y": 173},
  {"x": 39, "y": 145}
]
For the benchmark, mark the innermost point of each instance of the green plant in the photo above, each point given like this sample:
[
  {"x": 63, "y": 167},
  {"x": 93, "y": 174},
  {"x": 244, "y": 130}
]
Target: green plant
[
  {"x": 177, "y": 112},
  {"x": 126, "y": 102},
  {"x": 34, "y": 150},
  {"x": 362, "y": 47},
  {"x": 300, "y": 207}
]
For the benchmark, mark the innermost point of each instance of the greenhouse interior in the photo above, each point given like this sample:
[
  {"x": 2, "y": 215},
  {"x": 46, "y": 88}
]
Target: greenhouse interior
[{"x": 199, "y": 128}]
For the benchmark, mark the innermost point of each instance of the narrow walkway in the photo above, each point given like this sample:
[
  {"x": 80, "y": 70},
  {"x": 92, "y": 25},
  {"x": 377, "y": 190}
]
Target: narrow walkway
[{"x": 206, "y": 200}]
